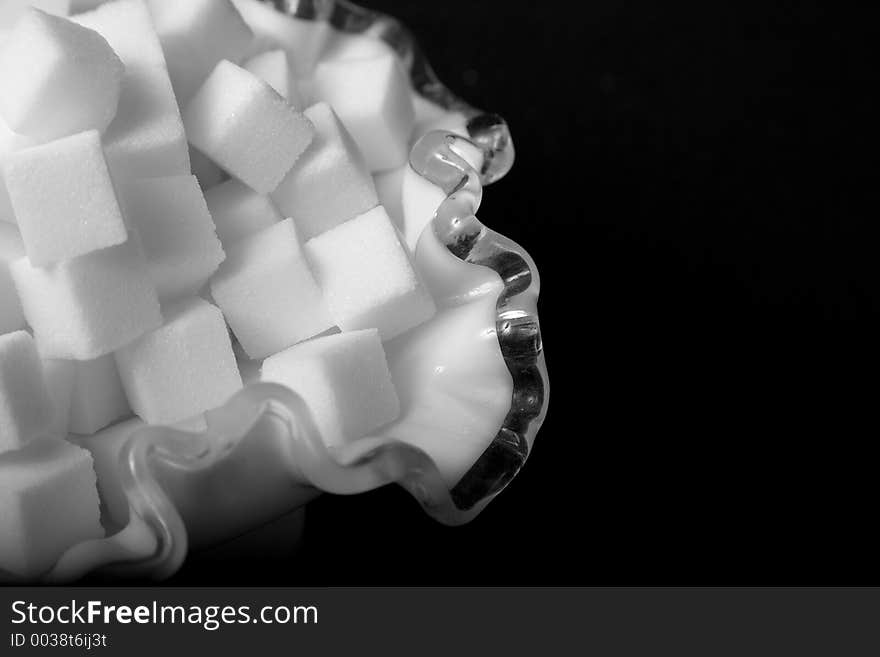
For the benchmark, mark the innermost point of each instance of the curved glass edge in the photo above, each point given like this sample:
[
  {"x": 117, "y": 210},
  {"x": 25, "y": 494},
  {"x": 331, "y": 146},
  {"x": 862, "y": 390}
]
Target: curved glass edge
[
  {"x": 457, "y": 228},
  {"x": 155, "y": 542},
  {"x": 436, "y": 157}
]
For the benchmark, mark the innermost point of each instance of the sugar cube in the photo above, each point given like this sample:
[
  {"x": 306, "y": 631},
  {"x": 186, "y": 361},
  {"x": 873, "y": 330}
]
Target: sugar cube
[
  {"x": 64, "y": 199},
  {"x": 273, "y": 68},
  {"x": 204, "y": 169},
  {"x": 239, "y": 211},
  {"x": 10, "y": 142},
  {"x": 302, "y": 39},
  {"x": 330, "y": 183},
  {"x": 48, "y": 503},
  {"x": 25, "y": 405},
  {"x": 59, "y": 78},
  {"x": 6, "y": 212},
  {"x": 59, "y": 376},
  {"x": 195, "y": 35},
  {"x": 347, "y": 46},
  {"x": 242, "y": 124},
  {"x": 97, "y": 397},
  {"x": 267, "y": 292},
  {"x": 181, "y": 369},
  {"x": 389, "y": 187},
  {"x": 12, "y": 10},
  {"x": 344, "y": 380},
  {"x": 11, "y": 249},
  {"x": 175, "y": 231},
  {"x": 426, "y": 111},
  {"x": 105, "y": 447},
  {"x": 372, "y": 98},
  {"x": 368, "y": 278},
  {"x": 146, "y": 138},
  {"x": 89, "y": 306}
]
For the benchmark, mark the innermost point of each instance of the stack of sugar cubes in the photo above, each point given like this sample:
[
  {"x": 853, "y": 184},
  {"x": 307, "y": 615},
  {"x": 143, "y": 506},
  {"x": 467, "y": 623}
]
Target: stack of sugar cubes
[{"x": 126, "y": 290}]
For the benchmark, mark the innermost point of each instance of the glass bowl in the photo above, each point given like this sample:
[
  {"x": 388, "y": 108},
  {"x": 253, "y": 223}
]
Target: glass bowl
[{"x": 472, "y": 381}]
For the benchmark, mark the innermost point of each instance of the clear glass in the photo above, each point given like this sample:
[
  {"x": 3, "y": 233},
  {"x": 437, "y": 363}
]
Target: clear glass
[{"x": 475, "y": 377}]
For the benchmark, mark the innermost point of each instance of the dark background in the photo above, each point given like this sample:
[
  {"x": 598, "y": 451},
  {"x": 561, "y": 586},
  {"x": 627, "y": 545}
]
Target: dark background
[{"x": 697, "y": 186}]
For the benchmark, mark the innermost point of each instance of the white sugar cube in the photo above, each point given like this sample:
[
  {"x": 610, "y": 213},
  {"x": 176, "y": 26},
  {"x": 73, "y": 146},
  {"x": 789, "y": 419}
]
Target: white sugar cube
[
  {"x": 330, "y": 183},
  {"x": 6, "y": 212},
  {"x": 389, "y": 187},
  {"x": 426, "y": 111},
  {"x": 97, "y": 398},
  {"x": 25, "y": 405},
  {"x": 367, "y": 277},
  {"x": 89, "y": 306},
  {"x": 11, "y": 249},
  {"x": 267, "y": 292},
  {"x": 343, "y": 379},
  {"x": 273, "y": 68},
  {"x": 58, "y": 78},
  {"x": 10, "y": 142},
  {"x": 347, "y": 46},
  {"x": 302, "y": 39},
  {"x": 195, "y": 35},
  {"x": 372, "y": 98},
  {"x": 105, "y": 448},
  {"x": 175, "y": 232},
  {"x": 239, "y": 211},
  {"x": 181, "y": 369},
  {"x": 64, "y": 199},
  {"x": 48, "y": 503},
  {"x": 59, "y": 376},
  {"x": 204, "y": 169},
  {"x": 242, "y": 124},
  {"x": 12, "y": 10},
  {"x": 146, "y": 138}
]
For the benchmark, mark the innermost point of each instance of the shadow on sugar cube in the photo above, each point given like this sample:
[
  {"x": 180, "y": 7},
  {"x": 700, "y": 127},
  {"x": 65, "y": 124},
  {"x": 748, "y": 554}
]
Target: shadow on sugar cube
[
  {"x": 12, "y": 10},
  {"x": 303, "y": 40},
  {"x": 175, "y": 231},
  {"x": 25, "y": 405},
  {"x": 343, "y": 379},
  {"x": 371, "y": 95},
  {"x": 58, "y": 78},
  {"x": 238, "y": 211},
  {"x": 273, "y": 68},
  {"x": 242, "y": 124},
  {"x": 367, "y": 277},
  {"x": 94, "y": 396},
  {"x": 330, "y": 183},
  {"x": 195, "y": 36},
  {"x": 146, "y": 138},
  {"x": 63, "y": 199},
  {"x": 267, "y": 292},
  {"x": 11, "y": 249},
  {"x": 48, "y": 503},
  {"x": 181, "y": 369},
  {"x": 58, "y": 375}
]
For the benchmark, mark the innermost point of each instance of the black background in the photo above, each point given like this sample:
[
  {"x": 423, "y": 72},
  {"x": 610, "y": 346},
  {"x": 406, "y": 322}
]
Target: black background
[{"x": 697, "y": 186}]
